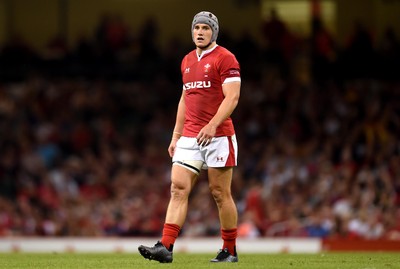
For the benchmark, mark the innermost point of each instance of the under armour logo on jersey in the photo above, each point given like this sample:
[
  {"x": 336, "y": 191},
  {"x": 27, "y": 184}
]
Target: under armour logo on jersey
[
  {"x": 206, "y": 68},
  {"x": 220, "y": 159},
  {"x": 187, "y": 70}
]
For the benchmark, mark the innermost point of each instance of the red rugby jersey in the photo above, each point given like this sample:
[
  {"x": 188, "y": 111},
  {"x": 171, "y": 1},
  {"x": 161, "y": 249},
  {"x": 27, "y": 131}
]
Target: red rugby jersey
[{"x": 202, "y": 82}]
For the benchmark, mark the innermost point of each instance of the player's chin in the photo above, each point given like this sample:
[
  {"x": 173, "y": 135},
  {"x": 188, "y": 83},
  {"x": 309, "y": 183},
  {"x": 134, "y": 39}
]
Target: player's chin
[
  {"x": 202, "y": 45},
  {"x": 199, "y": 43}
]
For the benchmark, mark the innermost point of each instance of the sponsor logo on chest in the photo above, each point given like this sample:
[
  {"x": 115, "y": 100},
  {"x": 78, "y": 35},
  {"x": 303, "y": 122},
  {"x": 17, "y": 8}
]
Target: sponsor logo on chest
[
  {"x": 200, "y": 84},
  {"x": 197, "y": 84}
]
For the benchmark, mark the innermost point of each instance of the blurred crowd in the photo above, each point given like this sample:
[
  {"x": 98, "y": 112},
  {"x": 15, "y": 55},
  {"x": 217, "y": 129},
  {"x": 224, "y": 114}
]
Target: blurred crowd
[{"x": 84, "y": 133}]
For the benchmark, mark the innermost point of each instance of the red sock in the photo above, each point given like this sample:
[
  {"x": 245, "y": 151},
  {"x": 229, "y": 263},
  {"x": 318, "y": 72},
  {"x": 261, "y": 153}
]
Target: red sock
[
  {"x": 229, "y": 237},
  {"x": 169, "y": 235}
]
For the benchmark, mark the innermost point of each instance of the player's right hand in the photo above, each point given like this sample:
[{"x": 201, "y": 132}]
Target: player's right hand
[{"x": 172, "y": 146}]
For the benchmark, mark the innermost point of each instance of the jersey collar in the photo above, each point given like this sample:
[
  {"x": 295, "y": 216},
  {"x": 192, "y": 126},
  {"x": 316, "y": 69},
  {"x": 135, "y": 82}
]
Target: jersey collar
[{"x": 205, "y": 52}]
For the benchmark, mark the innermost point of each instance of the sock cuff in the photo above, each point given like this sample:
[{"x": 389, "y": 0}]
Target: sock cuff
[
  {"x": 230, "y": 234},
  {"x": 171, "y": 226},
  {"x": 171, "y": 230}
]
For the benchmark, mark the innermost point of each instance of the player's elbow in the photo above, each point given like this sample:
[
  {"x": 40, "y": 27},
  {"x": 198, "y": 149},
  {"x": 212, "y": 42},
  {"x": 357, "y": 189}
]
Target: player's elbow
[{"x": 234, "y": 99}]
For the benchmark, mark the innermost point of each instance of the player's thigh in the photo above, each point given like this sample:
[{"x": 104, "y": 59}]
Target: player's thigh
[
  {"x": 220, "y": 179},
  {"x": 183, "y": 178}
]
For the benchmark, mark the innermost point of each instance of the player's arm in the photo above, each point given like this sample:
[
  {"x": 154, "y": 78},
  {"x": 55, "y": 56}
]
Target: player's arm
[
  {"x": 231, "y": 92},
  {"x": 180, "y": 118}
]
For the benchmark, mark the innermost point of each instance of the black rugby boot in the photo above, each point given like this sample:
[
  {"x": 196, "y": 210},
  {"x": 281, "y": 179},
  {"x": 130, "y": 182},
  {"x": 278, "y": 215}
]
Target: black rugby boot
[
  {"x": 158, "y": 253},
  {"x": 225, "y": 256}
]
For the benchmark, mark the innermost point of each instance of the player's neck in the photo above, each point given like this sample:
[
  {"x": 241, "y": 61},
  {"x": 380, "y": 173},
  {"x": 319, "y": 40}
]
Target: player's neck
[{"x": 202, "y": 50}]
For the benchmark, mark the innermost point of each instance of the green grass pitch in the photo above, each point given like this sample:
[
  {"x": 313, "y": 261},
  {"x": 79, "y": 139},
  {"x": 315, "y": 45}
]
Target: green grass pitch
[{"x": 357, "y": 260}]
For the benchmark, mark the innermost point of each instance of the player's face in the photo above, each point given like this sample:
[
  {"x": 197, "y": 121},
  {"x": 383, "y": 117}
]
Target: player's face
[{"x": 202, "y": 34}]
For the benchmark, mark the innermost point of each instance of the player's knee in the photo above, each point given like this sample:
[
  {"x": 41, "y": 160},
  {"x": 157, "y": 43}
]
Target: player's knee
[
  {"x": 219, "y": 193},
  {"x": 179, "y": 191}
]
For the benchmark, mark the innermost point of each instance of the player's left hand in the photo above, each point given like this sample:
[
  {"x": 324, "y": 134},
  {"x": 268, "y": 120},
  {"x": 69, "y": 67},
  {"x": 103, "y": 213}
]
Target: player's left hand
[{"x": 205, "y": 135}]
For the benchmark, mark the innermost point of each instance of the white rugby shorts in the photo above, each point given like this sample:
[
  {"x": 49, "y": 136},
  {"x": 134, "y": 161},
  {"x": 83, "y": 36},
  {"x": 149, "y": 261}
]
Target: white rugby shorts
[{"x": 221, "y": 152}]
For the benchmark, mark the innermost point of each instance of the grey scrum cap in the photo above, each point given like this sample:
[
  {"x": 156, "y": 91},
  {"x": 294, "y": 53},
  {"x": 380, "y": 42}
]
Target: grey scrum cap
[{"x": 207, "y": 17}]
